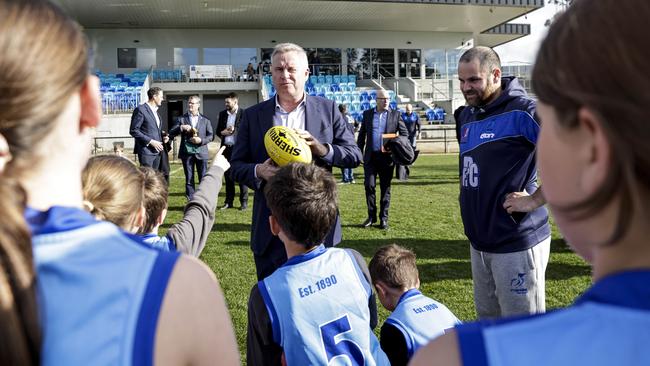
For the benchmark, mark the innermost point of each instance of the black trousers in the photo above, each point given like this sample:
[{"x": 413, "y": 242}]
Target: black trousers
[
  {"x": 379, "y": 165},
  {"x": 230, "y": 184},
  {"x": 190, "y": 163},
  {"x": 273, "y": 258}
]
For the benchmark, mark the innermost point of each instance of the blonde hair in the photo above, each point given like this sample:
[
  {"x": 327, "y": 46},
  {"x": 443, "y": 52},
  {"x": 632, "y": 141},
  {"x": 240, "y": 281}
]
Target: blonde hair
[
  {"x": 289, "y": 47},
  {"x": 43, "y": 61},
  {"x": 113, "y": 189}
]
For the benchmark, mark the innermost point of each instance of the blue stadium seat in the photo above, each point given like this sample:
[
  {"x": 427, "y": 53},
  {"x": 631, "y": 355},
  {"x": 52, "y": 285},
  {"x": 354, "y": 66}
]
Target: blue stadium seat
[
  {"x": 321, "y": 79},
  {"x": 393, "y": 105},
  {"x": 364, "y": 96},
  {"x": 365, "y": 106},
  {"x": 373, "y": 94},
  {"x": 334, "y": 87},
  {"x": 323, "y": 88},
  {"x": 328, "y": 79},
  {"x": 329, "y": 95},
  {"x": 313, "y": 79},
  {"x": 336, "y": 79},
  {"x": 373, "y": 103}
]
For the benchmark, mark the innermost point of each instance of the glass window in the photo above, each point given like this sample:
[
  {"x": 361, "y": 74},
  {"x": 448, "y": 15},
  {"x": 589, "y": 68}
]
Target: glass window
[
  {"x": 324, "y": 61},
  {"x": 266, "y": 60},
  {"x": 126, "y": 58},
  {"x": 146, "y": 58},
  {"x": 442, "y": 63},
  {"x": 186, "y": 56},
  {"x": 367, "y": 62},
  {"x": 409, "y": 63},
  {"x": 240, "y": 57},
  {"x": 216, "y": 56}
]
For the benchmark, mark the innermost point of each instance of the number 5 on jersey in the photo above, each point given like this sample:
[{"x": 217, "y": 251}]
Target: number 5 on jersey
[{"x": 344, "y": 349}]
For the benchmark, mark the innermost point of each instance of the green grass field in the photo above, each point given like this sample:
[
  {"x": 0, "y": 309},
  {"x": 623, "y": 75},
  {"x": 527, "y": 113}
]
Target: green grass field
[{"x": 424, "y": 216}]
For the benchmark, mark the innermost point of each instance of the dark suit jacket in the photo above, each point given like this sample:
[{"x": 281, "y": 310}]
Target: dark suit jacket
[
  {"x": 223, "y": 120},
  {"x": 144, "y": 129},
  {"x": 324, "y": 121},
  {"x": 204, "y": 128},
  {"x": 394, "y": 124}
]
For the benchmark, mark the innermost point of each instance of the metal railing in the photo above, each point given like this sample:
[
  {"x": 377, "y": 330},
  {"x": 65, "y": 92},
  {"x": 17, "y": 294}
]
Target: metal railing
[
  {"x": 448, "y": 136},
  {"x": 102, "y": 144}
]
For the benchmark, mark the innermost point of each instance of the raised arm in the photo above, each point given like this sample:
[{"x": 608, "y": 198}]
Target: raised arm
[{"x": 191, "y": 233}]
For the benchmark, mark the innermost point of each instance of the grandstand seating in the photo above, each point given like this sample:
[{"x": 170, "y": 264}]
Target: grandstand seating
[
  {"x": 436, "y": 114},
  {"x": 121, "y": 92}
]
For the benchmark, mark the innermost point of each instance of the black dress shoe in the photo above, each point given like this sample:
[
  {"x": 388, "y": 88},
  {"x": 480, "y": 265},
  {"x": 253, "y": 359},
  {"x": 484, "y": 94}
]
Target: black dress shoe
[
  {"x": 368, "y": 222},
  {"x": 243, "y": 207},
  {"x": 383, "y": 224},
  {"x": 226, "y": 206}
]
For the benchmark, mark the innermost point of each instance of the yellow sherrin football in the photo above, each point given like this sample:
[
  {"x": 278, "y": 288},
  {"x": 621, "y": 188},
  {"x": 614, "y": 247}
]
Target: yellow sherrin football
[{"x": 285, "y": 146}]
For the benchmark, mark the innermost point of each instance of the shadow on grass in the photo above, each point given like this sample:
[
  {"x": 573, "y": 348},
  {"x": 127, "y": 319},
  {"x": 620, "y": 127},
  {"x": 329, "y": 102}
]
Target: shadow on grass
[
  {"x": 424, "y": 249},
  {"x": 447, "y": 270},
  {"x": 230, "y": 227},
  {"x": 412, "y": 182},
  {"x": 176, "y": 194},
  {"x": 560, "y": 246},
  {"x": 563, "y": 271},
  {"x": 238, "y": 243}
]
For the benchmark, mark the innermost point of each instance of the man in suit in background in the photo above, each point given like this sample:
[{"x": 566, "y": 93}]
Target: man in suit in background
[
  {"x": 319, "y": 122},
  {"x": 377, "y": 161},
  {"x": 146, "y": 129},
  {"x": 196, "y": 132},
  {"x": 227, "y": 127}
]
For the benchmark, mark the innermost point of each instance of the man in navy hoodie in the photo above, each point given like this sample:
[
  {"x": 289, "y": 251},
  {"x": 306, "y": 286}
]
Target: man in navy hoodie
[{"x": 500, "y": 202}]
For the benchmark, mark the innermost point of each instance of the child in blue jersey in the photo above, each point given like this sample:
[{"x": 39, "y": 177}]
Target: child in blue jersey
[
  {"x": 190, "y": 234},
  {"x": 103, "y": 297},
  {"x": 416, "y": 319},
  {"x": 318, "y": 307},
  {"x": 136, "y": 200},
  {"x": 594, "y": 159}
]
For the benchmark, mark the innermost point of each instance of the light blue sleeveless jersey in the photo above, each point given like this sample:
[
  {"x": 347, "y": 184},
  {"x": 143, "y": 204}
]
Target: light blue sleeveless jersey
[
  {"x": 164, "y": 243},
  {"x": 100, "y": 291},
  {"x": 318, "y": 306},
  {"x": 608, "y": 325},
  {"x": 420, "y": 319}
]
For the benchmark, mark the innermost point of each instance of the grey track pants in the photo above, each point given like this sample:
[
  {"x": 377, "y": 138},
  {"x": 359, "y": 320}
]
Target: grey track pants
[{"x": 508, "y": 284}]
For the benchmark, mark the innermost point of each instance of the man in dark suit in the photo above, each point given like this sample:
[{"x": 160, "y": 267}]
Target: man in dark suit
[
  {"x": 227, "y": 127},
  {"x": 320, "y": 123},
  {"x": 377, "y": 161},
  {"x": 146, "y": 128},
  {"x": 196, "y": 132}
]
